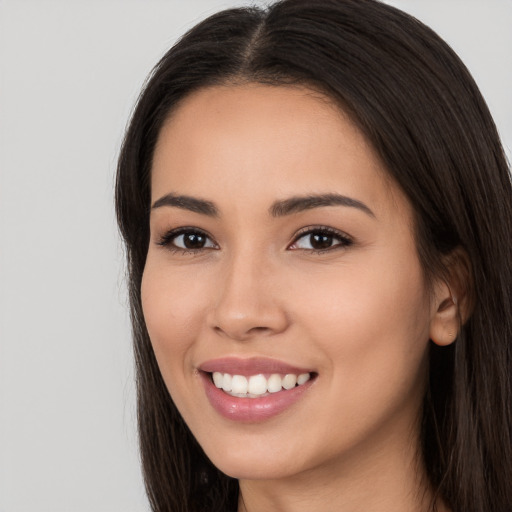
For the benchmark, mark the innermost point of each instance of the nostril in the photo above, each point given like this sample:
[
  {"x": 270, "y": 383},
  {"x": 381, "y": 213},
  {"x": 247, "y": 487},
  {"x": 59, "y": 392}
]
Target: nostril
[
  {"x": 259, "y": 329},
  {"x": 241, "y": 332}
]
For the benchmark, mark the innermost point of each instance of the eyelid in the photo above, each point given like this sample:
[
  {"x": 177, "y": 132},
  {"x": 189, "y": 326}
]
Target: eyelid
[
  {"x": 346, "y": 240},
  {"x": 165, "y": 240}
]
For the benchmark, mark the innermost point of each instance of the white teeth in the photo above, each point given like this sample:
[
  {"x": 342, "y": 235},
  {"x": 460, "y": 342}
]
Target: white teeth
[
  {"x": 274, "y": 383},
  {"x": 289, "y": 381},
  {"x": 226, "y": 382},
  {"x": 239, "y": 384},
  {"x": 303, "y": 378},
  {"x": 218, "y": 379},
  {"x": 257, "y": 385}
]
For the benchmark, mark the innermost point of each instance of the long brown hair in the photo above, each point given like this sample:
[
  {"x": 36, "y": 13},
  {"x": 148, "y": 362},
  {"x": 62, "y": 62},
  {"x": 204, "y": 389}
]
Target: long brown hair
[{"x": 418, "y": 105}]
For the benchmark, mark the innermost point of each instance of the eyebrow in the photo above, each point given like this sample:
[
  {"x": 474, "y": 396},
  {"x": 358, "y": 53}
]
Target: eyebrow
[
  {"x": 278, "y": 209},
  {"x": 187, "y": 203},
  {"x": 302, "y": 203}
]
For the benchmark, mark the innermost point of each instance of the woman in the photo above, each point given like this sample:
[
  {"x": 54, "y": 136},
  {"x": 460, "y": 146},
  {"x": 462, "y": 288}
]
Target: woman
[{"x": 317, "y": 213}]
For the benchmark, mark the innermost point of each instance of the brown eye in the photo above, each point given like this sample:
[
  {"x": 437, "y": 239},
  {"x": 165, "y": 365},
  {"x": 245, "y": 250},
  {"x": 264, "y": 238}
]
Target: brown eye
[
  {"x": 321, "y": 239},
  {"x": 187, "y": 240},
  {"x": 193, "y": 240}
]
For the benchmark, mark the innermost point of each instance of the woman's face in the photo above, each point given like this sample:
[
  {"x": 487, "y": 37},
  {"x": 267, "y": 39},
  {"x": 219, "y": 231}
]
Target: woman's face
[{"x": 280, "y": 246}]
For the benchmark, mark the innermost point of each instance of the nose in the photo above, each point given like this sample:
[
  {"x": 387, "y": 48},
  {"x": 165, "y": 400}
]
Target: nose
[{"x": 249, "y": 302}]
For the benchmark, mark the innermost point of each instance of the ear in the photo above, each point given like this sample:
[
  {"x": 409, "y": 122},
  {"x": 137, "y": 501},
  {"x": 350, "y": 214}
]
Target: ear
[{"x": 452, "y": 302}]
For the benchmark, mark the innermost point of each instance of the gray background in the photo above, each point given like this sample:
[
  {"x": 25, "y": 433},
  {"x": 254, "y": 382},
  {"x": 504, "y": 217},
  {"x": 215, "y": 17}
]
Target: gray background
[{"x": 69, "y": 74}]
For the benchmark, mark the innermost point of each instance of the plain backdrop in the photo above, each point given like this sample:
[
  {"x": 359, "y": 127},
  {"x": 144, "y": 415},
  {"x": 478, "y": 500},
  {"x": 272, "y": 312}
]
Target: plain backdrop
[{"x": 70, "y": 72}]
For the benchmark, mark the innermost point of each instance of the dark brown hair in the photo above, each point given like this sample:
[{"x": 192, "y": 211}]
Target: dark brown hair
[{"x": 417, "y": 104}]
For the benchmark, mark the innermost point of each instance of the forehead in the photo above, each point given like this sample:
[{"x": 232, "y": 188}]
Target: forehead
[{"x": 228, "y": 142}]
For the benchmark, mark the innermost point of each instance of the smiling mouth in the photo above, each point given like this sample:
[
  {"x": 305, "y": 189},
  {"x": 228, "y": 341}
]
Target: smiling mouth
[{"x": 259, "y": 385}]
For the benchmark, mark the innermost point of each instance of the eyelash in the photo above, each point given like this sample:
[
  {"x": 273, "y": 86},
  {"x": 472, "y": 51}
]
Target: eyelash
[
  {"x": 167, "y": 239},
  {"x": 344, "y": 239}
]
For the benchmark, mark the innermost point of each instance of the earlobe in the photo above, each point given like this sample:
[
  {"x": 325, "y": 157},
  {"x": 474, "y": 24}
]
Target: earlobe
[
  {"x": 452, "y": 304},
  {"x": 445, "y": 324}
]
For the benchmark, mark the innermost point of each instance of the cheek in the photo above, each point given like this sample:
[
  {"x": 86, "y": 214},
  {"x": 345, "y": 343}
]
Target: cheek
[
  {"x": 372, "y": 323},
  {"x": 372, "y": 296},
  {"x": 372, "y": 329},
  {"x": 173, "y": 305}
]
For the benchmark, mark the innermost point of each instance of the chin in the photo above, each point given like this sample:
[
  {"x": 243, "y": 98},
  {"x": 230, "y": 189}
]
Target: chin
[
  {"x": 249, "y": 460},
  {"x": 251, "y": 470}
]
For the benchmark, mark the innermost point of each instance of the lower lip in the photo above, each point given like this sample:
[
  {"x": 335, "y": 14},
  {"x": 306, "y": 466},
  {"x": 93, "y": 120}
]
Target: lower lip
[{"x": 251, "y": 410}]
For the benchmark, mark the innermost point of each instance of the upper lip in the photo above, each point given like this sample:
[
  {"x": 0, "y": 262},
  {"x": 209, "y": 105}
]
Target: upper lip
[{"x": 250, "y": 366}]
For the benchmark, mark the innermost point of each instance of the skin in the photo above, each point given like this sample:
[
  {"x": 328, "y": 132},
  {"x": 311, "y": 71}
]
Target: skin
[{"x": 358, "y": 314}]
